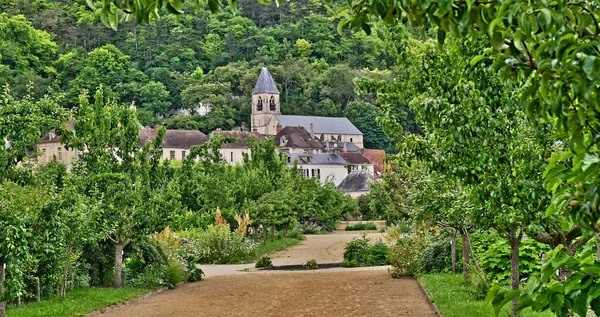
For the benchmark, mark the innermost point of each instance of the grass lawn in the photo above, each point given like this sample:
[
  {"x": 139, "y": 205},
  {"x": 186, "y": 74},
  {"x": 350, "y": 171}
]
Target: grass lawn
[
  {"x": 78, "y": 302},
  {"x": 454, "y": 298},
  {"x": 276, "y": 246}
]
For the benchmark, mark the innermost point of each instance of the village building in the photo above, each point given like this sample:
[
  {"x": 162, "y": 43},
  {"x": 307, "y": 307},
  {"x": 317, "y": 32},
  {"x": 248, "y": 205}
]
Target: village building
[
  {"x": 297, "y": 140},
  {"x": 50, "y": 147},
  {"x": 357, "y": 161},
  {"x": 357, "y": 183},
  {"x": 377, "y": 157},
  {"x": 176, "y": 143},
  {"x": 266, "y": 116},
  {"x": 233, "y": 153},
  {"x": 326, "y": 167}
]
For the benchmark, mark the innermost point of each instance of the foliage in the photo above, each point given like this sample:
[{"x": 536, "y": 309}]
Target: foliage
[
  {"x": 217, "y": 245},
  {"x": 493, "y": 255},
  {"x": 453, "y": 297},
  {"x": 359, "y": 252},
  {"x": 361, "y": 226},
  {"x": 436, "y": 256},
  {"x": 264, "y": 261},
  {"x": 311, "y": 264}
]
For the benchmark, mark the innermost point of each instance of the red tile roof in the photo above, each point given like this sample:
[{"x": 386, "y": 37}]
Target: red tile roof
[
  {"x": 377, "y": 157},
  {"x": 355, "y": 158}
]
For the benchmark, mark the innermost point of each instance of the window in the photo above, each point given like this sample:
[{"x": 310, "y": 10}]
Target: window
[
  {"x": 44, "y": 154},
  {"x": 305, "y": 173},
  {"x": 350, "y": 139},
  {"x": 339, "y": 138},
  {"x": 183, "y": 154},
  {"x": 259, "y": 105},
  {"x": 316, "y": 173},
  {"x": 231, "y": 156},
  {"x": 289, "y": 159},
  {"x": 272, "y": 105},
  {"x": 172, "y": 155},
  {"x": 60, "y": 154}
]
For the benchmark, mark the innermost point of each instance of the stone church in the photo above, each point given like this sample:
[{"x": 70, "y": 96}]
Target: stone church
[{"x": 268, "y": 120}]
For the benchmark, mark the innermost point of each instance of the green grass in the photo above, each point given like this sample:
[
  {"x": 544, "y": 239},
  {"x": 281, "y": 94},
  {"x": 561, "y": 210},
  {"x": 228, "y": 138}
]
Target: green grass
[
  {"x": 276, "y": 246},
  {"x": 78, "y": 302},
  {"x": 454, "y": 298},
  {"x": 361, "y": 226}
]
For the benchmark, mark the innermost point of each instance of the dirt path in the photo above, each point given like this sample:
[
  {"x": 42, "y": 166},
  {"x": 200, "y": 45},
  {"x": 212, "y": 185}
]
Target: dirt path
[
  {"x": 229, "y": 290},
  {"x": 325, "y": 248},
  {"x": 314, "y": 293}
]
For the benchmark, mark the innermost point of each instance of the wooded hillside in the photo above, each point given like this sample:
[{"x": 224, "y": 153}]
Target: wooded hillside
[{"x": 196, "y": 59}]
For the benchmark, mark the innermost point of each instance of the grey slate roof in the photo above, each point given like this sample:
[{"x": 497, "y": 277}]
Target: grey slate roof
[
  {"x": 296, "y": 137},
  {"x": 317, "y": 159},
  {"x": 335, "y": 145},
  {"x": 184, "y": 139},
  {"x": 327, "y": 125},
  {"x": 265, "y": 83},
  {"x": 242, "y": 138},
  {"x": 357, "y": 181}
]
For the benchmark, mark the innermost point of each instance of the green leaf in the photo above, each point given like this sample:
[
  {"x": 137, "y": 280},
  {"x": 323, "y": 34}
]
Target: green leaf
[
  {"x": 476, "y": 60},
  {"x": 441, "y": 36}
]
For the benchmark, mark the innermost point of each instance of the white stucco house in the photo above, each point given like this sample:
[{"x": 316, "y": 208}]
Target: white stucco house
[
  {"x": 327, "y": 167},
  {"x": 233, "y": 153}
]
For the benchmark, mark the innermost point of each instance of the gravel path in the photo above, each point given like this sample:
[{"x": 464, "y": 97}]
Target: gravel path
[{"x": 228, "y": 290}]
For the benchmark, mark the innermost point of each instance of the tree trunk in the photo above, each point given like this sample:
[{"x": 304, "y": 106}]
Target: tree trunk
[
  {"x": 63, "y": 286},
  {"x": 265, "y": 234},
  {"x": 38, "y": 291},
  {"x": 453, "y": 249},
  {"x": 514, "y": 241},
  {"x": 465, "y": 252},
  {"x": 598, "y": 247},
  {"x": 272, "y": 233},
  {"x": 2, "y": 277},
  {"x": 256, "y": 235},
  {"x": 119, "y": 263}
]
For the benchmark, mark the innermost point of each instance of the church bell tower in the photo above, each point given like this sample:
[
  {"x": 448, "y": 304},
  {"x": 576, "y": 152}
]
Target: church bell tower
[{"x": 265, "y": 104}]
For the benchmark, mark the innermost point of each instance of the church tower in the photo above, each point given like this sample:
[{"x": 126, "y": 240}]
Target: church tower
[{"x": 265, "y": 104}]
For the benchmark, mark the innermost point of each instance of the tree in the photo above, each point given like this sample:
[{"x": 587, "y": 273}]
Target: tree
[{"x": 125, "y": 181}]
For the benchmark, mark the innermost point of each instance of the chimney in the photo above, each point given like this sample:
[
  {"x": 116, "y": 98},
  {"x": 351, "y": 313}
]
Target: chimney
[
  {"x": 345, "y": 148},
  {"x": 156, "y": 129},
  {"x": 279, "y": 128},
  {"x": 312, "y": 130}
]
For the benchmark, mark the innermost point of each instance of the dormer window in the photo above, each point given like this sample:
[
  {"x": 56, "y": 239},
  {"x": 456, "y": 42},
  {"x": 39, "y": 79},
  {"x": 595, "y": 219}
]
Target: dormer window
[
  {"x": 339, "y": 138},
  {"x": 272, "y": 105},
  {"x": 259, "y": 104},
  {"x": 308, "y": 159}
]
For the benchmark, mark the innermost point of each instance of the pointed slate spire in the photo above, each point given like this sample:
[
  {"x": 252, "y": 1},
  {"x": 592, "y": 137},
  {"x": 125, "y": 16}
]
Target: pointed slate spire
[{"x": 265, "y": 83}]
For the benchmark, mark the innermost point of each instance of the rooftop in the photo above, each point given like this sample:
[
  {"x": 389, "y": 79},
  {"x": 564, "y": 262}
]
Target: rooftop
[
  {"x": 377, "y": 157},
  {"x": 317, "y": 159},
  {"x": 355, "y": 158},
  {"x": 326, "y": 125},
  {"x": 337, "y": 145},
  {"x": 296, "y": 137},
  {"x": 184, "y": 139},
  {"x": 241, "y": 136},
  {"x": 357, "y": 181},
  {"x": 265, "y": 83}
]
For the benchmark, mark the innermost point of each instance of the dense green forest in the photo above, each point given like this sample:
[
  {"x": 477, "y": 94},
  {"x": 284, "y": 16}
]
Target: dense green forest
[{"x": 186, "y": 62}]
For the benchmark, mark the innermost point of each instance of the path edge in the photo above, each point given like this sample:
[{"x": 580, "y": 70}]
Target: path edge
[
  {"x": 429, "y": 298},
  {"x": 101, "y": 311}
]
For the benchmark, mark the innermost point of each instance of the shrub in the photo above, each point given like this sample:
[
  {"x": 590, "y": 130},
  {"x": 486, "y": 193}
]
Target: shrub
[
  {"x": 217, "y": 244},
  {"x": 493, "y": 256},
  {"x": 404, "y": 255},
  {"x": 295, "y": 235},
  {"x": 437, "y": 256},
  {"x": 264, "y": 261},
  {"x": 311, "y": 264},
  {"x": 359, "y": 252},
  {"x": 361, "y": 226},
  {"x": 307, "y": 228}
]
